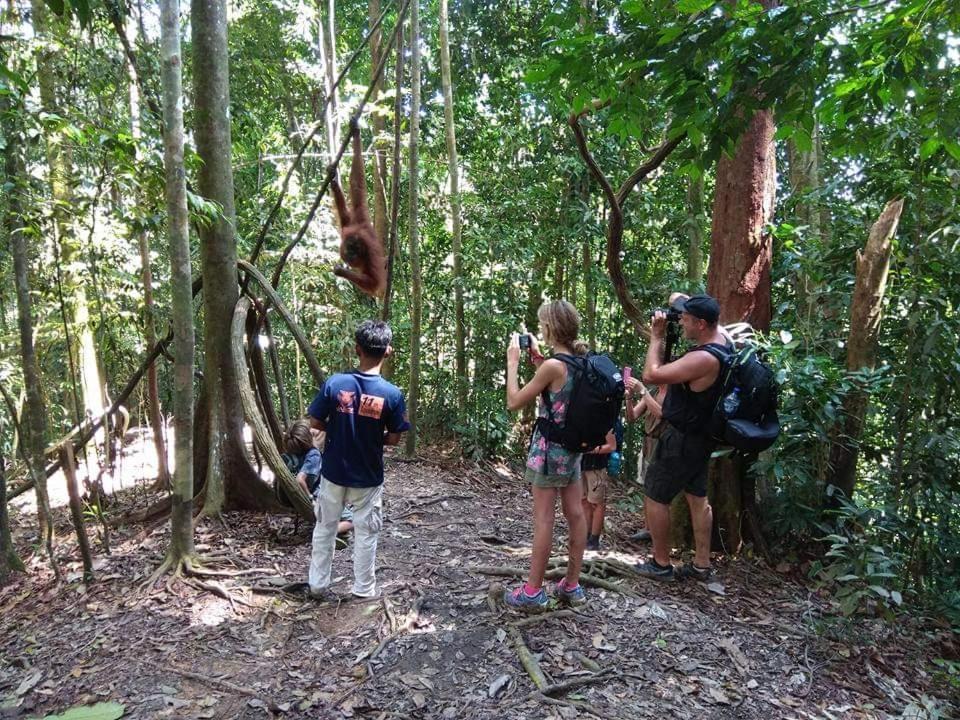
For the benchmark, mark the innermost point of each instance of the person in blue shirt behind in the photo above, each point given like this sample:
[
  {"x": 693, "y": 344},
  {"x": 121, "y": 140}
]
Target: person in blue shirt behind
[
  {"x": 360, "y": 412},
  {"x": 303, "y": 460}
]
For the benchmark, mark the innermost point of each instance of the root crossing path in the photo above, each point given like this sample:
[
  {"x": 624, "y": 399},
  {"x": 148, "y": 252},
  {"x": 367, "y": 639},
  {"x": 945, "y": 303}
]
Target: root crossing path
[{"x": 438, "y": 643}]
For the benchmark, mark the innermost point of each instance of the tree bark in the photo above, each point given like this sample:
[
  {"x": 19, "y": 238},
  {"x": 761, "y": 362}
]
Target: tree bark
[
  {"x": 9, "y": 560},
  {"x": 33, "y": 422},
  {"x": 866, "y": 309},
  {"x": 694, "y": 230},
  {"x": 393, "y": 247},
  {"x": 740, "y": 248},
  {"x": 804, "y": 177},
  {"x": 327, "y": 43},
  {"x": 379, "y": 125},
  {"x": 230, "y": 481},
  {"x": 76, "y": 510},
  {"x": 146, "y": 277},
  {"x": 455, "y": 219},
  {"x": 739, "y": 278},
  {"x": 178, "y": 238},
  {"x": 416, "y": 289}
]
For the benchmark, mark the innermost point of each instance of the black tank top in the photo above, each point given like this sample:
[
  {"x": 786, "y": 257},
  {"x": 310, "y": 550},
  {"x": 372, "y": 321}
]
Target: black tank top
[{"x": 689, "y": 411}]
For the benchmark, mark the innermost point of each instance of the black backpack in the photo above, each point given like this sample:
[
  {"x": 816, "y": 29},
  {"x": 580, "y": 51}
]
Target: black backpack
[
  {"x": 745, "y": 416},
  {"x": 595, "y": 401}
]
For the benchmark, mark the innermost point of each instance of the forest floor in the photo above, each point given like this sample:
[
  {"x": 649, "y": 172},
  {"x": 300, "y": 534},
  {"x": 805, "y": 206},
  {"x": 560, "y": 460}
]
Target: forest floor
[{"x": 755, "y": 643}]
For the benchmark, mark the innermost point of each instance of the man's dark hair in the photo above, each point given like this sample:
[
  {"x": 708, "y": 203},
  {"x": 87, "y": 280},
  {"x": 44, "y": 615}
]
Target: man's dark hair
[{"x": 373, "y": 337}]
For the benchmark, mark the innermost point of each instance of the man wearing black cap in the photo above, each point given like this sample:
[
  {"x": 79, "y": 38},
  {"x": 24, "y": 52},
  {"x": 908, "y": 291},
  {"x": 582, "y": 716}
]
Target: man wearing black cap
[{"x": 683, "y": 451}]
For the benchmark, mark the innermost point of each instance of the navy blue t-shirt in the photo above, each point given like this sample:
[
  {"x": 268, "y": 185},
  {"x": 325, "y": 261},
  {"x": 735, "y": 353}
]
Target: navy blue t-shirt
[{"x": 357, "y": 408}]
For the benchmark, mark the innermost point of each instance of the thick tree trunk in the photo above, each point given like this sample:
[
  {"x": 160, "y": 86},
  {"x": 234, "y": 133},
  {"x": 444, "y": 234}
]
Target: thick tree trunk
[
  {"x": 739, "y": 278},
  {"x": 866, "y": 308},
  {"x": 740, "y": 249},
  {"x": 60, "y": 163},
  {"x": 459, "y": 330},
  {"x": 416, "y": 289},
  {"x": 230, "y": 481},
  {"x": 146, "y": 277},
  {"x": 181, "y": 281}
]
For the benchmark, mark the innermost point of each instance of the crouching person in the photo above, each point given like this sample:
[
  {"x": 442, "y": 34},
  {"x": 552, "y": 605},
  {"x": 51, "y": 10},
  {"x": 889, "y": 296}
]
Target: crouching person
[{"x": 360, "y": 412}]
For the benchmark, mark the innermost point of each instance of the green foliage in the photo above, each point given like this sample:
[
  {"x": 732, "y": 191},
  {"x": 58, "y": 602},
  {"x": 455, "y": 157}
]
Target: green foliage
[
  {"x": 99, "y": 711},
  {"x": 860, "y": 568}
]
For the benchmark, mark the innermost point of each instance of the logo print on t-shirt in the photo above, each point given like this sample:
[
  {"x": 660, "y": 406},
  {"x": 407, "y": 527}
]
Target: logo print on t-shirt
[
  {"x": 345, "y": 401},
  {"x": 371, "y": 406}
]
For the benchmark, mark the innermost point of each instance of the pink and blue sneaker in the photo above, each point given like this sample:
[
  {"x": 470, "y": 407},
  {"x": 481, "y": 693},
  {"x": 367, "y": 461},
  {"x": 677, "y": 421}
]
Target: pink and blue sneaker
[
  {"x": 572, "y": 596},
  {"x": 520, "y": 600}
]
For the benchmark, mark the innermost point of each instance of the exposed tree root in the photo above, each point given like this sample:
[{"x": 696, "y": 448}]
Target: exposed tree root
[
  {"x": 585, "y": 578},
  {"x": 403, "y": 628},
  {"x": 562, "y": 687},
  {"x": 527, "y": 659},
  {"x": 222, "y": 685},
  {"x": 543, "y": 617},
  {"x": 582, "y": 706}
]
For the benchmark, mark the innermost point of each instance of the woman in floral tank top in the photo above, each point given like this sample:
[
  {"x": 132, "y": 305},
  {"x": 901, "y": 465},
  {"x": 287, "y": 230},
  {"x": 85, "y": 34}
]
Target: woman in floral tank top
[{"x": 551, "y": 470}]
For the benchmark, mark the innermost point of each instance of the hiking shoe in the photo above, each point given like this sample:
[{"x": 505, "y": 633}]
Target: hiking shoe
[
  {"x": 593, "y": 542},
  {"x": 689, "y": 570},
  {"x": 651, "y": 569},
  {"x": 641, "y": 536},
  {"x": 519, "y": 600},
  {"x": 572, "y": 597}
]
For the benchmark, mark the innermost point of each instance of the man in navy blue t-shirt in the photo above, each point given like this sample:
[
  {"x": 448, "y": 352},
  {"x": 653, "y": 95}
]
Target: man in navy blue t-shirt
[{"x": 361, "y": 412}]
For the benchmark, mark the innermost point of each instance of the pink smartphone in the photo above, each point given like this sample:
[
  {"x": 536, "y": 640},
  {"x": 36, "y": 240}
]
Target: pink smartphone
[{"x": 627, "y": 373}]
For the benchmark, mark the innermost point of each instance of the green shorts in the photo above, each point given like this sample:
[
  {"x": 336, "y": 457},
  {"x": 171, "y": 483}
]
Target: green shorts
[{"x": 549, "y": 481}]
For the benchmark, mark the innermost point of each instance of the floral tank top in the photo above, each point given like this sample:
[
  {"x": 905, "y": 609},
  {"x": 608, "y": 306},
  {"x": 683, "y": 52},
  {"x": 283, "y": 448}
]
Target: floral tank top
[{"x": 548, "y": 458}]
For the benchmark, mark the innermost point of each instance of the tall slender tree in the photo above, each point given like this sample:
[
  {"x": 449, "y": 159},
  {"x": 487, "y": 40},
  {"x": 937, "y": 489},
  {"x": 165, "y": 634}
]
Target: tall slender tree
[
  {"x": 49, "y": 32},
  {"x": 455, "y": 214},
  {"x": 229, "y": 479},
  {"x": 33, "y": 424},
  {"x": 178, "y": 229},
  {"x": 379, "y": 124},
  {"x": 416, "y": 283},
  {"x": 146, "y": 277}
]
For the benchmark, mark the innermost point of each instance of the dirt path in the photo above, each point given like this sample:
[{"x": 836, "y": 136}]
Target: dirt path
[{"x": 754, "y": 645}]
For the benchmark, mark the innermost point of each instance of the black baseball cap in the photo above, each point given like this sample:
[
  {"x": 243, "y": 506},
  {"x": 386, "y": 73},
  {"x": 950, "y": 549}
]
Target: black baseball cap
[{"x": 700, "y": 306}]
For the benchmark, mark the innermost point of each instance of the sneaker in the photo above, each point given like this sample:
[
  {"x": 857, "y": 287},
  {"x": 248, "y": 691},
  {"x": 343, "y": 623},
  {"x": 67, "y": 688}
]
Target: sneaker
[
  {"x": 652, "y": 570},
  {"x": 689, "y": 570},
  {"x": 641, "y": 536},
  {"x": 519, "y": 600},
  {"x": 566, "y": 596},
  {"x": 593, "y": 542}
]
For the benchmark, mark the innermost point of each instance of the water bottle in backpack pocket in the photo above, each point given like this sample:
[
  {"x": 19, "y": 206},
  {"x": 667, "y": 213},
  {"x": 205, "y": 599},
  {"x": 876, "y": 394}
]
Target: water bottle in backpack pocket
[{"x": 745, "y": 416}]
